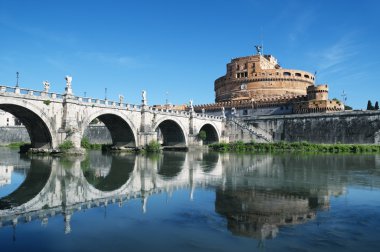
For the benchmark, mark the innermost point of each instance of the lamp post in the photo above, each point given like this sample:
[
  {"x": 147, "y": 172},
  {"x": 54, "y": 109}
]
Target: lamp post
[{"x": 17, "y": 76}]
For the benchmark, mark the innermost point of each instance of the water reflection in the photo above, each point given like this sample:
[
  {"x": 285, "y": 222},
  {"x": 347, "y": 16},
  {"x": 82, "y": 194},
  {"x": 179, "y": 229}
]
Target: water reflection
[
  {"x": 257, "y": 194},
  {"x": 109, "y": 175}
]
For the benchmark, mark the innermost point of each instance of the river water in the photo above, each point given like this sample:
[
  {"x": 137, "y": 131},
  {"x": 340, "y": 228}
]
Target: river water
[{"x": 194, "y": 201}]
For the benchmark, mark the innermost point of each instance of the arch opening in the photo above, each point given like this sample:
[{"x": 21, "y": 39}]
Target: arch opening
[
  {"x": 211, "y": 134},
  {"x": 119, "y": 132},
  {"x": 39, "y": 133},
  {"x": 170, "y": 134}
]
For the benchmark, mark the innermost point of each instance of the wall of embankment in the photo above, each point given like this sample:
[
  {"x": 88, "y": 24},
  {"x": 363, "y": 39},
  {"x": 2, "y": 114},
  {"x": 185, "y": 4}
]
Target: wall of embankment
[
  {"x": 341, "y": 127},
  {"x": 362, "y": 127}
]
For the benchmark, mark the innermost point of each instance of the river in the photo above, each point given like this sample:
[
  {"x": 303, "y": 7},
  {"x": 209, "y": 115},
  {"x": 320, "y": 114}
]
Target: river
[{"x": 189, "y": 201}]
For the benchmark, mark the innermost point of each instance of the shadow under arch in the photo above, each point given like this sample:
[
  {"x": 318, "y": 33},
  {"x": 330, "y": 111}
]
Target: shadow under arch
[
  {"x": 120, "y": 130},
  {"x": 170, "y": 164},
  {"x": 170, "y": 133},
  {"x": 34, "y": 183},
  {"x": 211, "y": 134},
  {"x": 39, "y": 133},
  {"x": 118, "y": 174}
]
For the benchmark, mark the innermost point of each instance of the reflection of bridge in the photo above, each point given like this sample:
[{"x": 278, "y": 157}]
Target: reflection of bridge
[
  {"x": 50, "y": 189},
  {"x": 256, "y": 193},
  {"x": 52, "y": 118}
]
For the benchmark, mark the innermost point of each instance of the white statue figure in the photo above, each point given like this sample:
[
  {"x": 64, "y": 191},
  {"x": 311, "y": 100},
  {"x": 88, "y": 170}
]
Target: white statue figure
[
  {"x": 191, "y": 105},
  {"x": 68, "y": 81},
  {"x": 143, "y": 94},
  {"x": 68, "y": 85},
  {"x": 203, "y": 111},
  {"x": 121, "y": 98},
  {"x": 46, "y": 86},
  {"x": 223, "y": 112}
]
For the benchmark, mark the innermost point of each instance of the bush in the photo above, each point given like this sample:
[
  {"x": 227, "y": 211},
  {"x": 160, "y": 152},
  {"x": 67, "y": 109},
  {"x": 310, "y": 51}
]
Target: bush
[
  {"x": 66, "y": 145},
  {"x": 16, "y": 145},
  {"x": 153, "y": 146},
  {"x": 202, "y": 135},
  {"x": 85, "y": 143},
  {"x": 295, "y": 146}
]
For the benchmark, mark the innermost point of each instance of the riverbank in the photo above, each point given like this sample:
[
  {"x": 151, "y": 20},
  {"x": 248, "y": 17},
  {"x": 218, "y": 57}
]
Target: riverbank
[{"x": 295, "y": 147}]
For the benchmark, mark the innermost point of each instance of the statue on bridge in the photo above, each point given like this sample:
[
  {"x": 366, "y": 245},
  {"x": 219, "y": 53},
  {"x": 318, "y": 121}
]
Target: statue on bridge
[
  {"x": 121, "y": 99},
  {"x": 144, "y": 100},
  {"x": 46, "y": 86},
  {"x": 68, "y": 88},
  {"x": 223, "y": 112},
  {"x": 191, "y": 105}
]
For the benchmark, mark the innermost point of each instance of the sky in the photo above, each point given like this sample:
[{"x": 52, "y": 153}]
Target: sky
[{"x": 175, "y": 49}]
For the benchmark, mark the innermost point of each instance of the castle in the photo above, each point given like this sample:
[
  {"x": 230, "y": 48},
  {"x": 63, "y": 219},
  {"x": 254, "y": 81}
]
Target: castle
[{"x": 258, "y": 85}]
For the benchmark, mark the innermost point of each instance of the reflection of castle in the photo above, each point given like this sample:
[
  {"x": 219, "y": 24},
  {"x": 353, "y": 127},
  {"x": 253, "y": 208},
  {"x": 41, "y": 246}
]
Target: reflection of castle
[
  {"x": 5, "y": 174},
  {"x": 257, "y": 84},
  {"x": 258, "y": 213}
]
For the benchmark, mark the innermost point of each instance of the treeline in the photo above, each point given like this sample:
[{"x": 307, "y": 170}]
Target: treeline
[
  {"x": 296, "y": 147},
  {"x": 371, "y": 107}
]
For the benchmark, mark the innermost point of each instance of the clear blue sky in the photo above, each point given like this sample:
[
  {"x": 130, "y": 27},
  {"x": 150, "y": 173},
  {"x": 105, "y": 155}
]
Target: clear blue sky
[{"x": 181, "y": 47}]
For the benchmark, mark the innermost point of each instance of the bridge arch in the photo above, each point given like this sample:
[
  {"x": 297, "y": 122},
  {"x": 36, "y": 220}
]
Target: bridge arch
[
  {"x": 212, "y": 135},
  {"x": 123, "y": 131},
  {"x": 171, "y": 132},
  {"x": 36, "y": 121}
]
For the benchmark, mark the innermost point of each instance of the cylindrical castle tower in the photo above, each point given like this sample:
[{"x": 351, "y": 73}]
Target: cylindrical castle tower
[{"x": 258, "y": 77}]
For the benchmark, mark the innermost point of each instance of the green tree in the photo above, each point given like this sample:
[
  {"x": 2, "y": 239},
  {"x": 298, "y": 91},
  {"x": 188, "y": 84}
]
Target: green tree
[
  {"x": 347, "y": 107},
  {"x": 376, "y": 105},
  {"x": 369, "y": 105},
  {"x": 202, "y": 135}
]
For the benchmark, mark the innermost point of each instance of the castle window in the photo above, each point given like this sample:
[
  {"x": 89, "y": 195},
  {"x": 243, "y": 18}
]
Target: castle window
[
  {"x": 298, "y": 75},
  {"x": 306, "y": 76},
  {"x": 287, "y": 74},
  {"x": 245, "y": 112}
]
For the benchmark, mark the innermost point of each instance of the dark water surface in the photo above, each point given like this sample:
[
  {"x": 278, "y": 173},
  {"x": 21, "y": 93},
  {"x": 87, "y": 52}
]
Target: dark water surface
[{"x": 193, "y": 201}]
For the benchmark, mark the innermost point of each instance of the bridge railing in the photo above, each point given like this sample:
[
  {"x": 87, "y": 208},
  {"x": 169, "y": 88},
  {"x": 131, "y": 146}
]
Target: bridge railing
[
  {"x": 183, "y": 112},
  {"x": 98, "y": 102},
  {"x": 29, "y": 92},
  {"x": 106, "y": 102}
]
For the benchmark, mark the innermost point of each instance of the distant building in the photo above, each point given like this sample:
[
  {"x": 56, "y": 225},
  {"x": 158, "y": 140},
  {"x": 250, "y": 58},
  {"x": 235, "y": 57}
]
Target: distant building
[{"x": 7, "y": 119}]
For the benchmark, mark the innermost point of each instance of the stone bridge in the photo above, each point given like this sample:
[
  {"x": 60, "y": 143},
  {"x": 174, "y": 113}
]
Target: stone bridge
[{"x": 52, "y": 118}]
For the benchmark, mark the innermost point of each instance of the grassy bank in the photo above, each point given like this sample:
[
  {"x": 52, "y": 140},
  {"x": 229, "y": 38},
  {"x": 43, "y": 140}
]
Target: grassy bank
[
  {"x": 16, "y": 145},
  {"x": 295, "y": 147},
  {"x": 85, "y": 143}
]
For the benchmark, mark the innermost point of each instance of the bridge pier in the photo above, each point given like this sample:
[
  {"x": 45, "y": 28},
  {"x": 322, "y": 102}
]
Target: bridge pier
[{"x": 70, "y": 119}]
